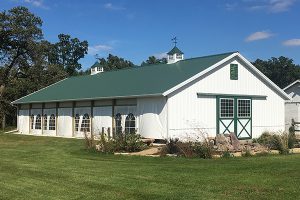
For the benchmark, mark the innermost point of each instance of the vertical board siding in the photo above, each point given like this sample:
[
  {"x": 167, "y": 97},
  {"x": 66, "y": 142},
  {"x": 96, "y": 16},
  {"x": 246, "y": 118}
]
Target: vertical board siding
[{"x": 188, "y": 112}]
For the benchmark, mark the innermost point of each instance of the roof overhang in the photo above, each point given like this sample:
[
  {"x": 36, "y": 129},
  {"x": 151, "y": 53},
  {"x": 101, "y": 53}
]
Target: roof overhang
[{"x": 290, "y": 85}]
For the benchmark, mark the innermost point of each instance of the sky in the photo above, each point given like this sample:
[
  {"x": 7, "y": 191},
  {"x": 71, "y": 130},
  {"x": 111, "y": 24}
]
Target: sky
[{"x": 137, "y": 29}]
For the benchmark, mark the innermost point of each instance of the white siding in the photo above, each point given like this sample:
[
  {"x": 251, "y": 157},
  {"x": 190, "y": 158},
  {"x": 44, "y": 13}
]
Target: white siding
[
  {"x": 152, "y": 118},
  {"x": 64, "y": 122},
  {"x": 188, "y": 112},
  {"x": 23, "y": 121},
  {"x": 102, "y": 118},
  {"x": 294, "y": 92}
]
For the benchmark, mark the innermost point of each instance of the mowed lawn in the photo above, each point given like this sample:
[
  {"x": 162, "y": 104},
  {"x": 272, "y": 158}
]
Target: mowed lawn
[{"x": 57, "y": 168}]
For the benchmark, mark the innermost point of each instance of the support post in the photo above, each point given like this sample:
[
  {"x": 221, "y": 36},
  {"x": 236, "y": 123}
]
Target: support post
[
  {"x": 92, "y": 117},
  {"x": 56, "y": 117},
  {"x": 113, "y": 117},
  {"x": 42, "y": 118},
  {"x": 29, "y": 110},
  {"x": 73, "y": 119}
]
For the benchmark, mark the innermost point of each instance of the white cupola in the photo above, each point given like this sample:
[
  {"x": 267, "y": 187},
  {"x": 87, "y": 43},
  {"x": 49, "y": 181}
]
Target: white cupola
[
  {"x": 174, "y": 55},
  {"x": 96, "y": 68}
]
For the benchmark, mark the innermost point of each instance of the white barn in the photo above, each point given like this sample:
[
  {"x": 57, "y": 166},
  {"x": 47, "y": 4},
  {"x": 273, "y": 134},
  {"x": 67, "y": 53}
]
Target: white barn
[
  {"x": 292, "y": 107},
  {"x": 221, "y": 93}
]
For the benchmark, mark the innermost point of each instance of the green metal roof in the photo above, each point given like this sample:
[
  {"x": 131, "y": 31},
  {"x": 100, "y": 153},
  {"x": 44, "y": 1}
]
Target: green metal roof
[
  {"x": 137, "y": 81},
  {"x": 175, "y": 50}
]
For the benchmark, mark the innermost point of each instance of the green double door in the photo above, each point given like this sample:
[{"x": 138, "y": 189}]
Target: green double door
[{"x": 234, "y": 115}]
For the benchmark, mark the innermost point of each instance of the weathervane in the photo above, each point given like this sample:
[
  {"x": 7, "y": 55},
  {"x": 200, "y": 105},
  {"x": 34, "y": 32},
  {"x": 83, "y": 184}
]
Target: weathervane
[{"x": 174, "y": 40}]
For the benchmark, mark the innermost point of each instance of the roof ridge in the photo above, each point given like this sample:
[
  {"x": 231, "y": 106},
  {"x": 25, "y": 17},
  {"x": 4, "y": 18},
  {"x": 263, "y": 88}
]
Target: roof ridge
[{"x": 220, "y": 54}]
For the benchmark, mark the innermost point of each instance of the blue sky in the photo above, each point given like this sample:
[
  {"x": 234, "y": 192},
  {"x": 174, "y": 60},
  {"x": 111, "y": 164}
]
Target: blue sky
[{"x": 136, "y": 29}]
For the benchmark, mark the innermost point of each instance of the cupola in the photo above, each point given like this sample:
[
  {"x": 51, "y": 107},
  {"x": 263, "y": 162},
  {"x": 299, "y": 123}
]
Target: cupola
[
  {"x": 96, "y": 68},
  {"x": 175, "y": 54}
]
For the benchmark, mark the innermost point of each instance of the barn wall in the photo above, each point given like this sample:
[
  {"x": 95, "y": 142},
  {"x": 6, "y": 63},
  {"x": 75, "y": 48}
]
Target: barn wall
[
  {"x": 23, "y": 121},
  {"x": 102, "y": 118},
  {"x": 188, "y": 112},
  {"x": 152, "y": 118},
  {"x": 64, "y": 122}
]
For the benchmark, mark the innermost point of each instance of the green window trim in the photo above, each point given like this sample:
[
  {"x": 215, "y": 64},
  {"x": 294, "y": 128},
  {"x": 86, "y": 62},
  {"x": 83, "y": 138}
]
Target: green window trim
[{"x": 234, "y": 72}]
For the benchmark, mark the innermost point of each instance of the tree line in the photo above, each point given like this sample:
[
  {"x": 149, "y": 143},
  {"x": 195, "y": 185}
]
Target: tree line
[{"x": 28, "y": 62}]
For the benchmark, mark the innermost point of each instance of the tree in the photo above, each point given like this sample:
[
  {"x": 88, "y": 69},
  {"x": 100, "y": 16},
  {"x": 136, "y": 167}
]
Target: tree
[
  {"x": 114, "y": 63},
  {"x": 67, "y": 52},
  {"x": 153, "y": 60},
  {"x": 20, "y": 31},
  {"x": 282, "y": 71}
]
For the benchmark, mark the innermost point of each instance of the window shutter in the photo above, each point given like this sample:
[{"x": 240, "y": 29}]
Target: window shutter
[{"x": 233, "y": 72}]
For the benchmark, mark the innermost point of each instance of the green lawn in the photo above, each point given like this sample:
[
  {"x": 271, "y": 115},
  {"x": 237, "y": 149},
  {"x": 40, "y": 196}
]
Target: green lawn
[{"x": 56, "y": 168}]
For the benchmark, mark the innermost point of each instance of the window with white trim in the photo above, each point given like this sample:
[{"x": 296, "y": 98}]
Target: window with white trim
[
  {"x": 38, "y": 122},
  {"x": 52, "y": 122},
  {"x": 130, "y": 123},
  {"x": 85, "y": 124},
  {"x": 227, "y": 107},
  {"x": 244, "y": 108}
]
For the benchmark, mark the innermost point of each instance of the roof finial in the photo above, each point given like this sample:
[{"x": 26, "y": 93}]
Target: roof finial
[{"x": 174, "y": 40}]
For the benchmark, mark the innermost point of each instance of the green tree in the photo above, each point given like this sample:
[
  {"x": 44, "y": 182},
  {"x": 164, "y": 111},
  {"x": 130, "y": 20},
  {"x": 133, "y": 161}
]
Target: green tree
[
  {"x": 20, "y": 31},
  {"x": 67, "y": 52},
  {"x": 282, "y": 71},
  {"x": 153, "y": 60},
  {"x": 114, "y": 63}
]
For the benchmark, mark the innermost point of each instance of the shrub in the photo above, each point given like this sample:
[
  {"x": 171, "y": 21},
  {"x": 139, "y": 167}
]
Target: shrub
[
  {"x": 263, "y": 153},
  {"x": 89, "y": 140},
  {"x": 291, "y": 137},
  {"x": 226, "y": 154},
  {"x": 203, "y": 149},
  {"x": 247, "y": 153},
  {"x": 121, "y": 143},
  {"x": 188, "y": 149},
  {"x": 274, "y": 141}
]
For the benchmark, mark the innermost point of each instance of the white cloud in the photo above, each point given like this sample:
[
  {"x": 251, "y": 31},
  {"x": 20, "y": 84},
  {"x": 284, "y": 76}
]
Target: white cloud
[
  {"x": 271, "y": 6},
  {"x": 260, "y": 35},
  {"x": 111, "y": 6},
  {"x": 231, "y": 6},
  {"x": 292, "y": 42},
  {"x": 160, "y": 55},
  {"x": 36, "y": 3},
  {"x": 99, "y": 48},
  {"x": 280, "y": 5}
]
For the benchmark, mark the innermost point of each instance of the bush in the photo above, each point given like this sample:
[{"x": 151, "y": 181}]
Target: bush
[
  {"x": 122, "y": 143},
  {"x": 226, "y": 154},
  {"x": 89, "y": 140},
  {"x": 188, "y": 149},
  {"x": 291, "y": 138},
  {"x": 247, "y": 153},
  {"x": 274, "y": 141}
]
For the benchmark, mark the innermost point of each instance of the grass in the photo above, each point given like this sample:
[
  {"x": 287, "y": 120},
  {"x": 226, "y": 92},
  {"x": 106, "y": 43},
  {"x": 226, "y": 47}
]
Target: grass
[{"x": 57, "y": 168}]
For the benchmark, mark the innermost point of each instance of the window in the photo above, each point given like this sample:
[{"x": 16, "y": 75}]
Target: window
[
  {"x": 178, "y": 56},
  {"x": 118, "y": 120},
  {"x": 85, "y": 124},
  {"x": 99, "y": 69},
  {"x": 170, "y": 57},
  {"x": 233, "y": 72},
  {"x": 244, "y": 108},
  {"x": 45, "y": 122},
  {"x": 31, "y": 121},
  {"x": 77, "y": 122},
  {"x": 130, "y": 123},
  {"x": 52, "y": 122},
  {"x": 38, "y": 122},
  {"x": 226, "y": 107}
]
